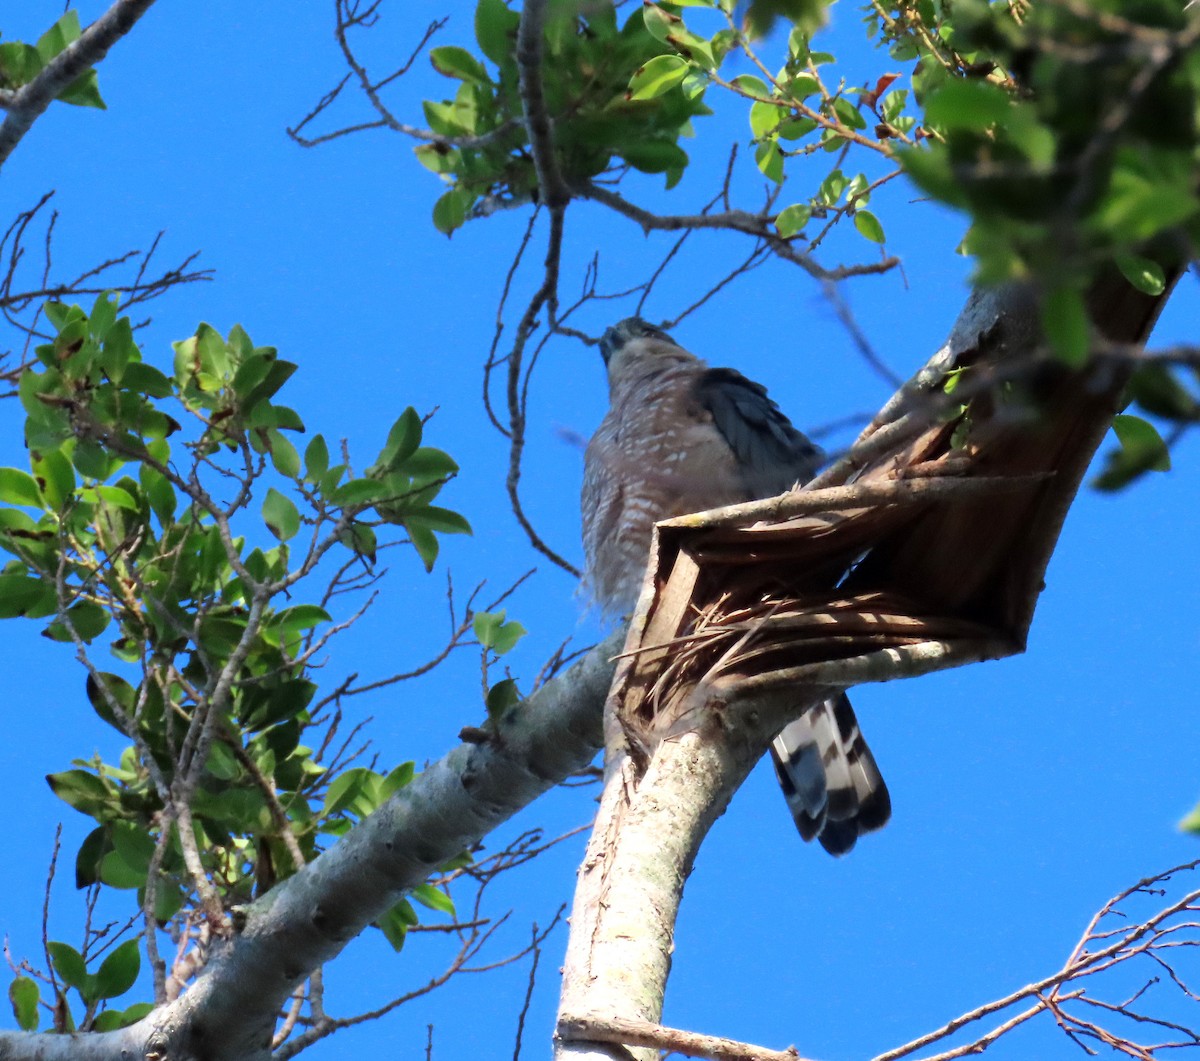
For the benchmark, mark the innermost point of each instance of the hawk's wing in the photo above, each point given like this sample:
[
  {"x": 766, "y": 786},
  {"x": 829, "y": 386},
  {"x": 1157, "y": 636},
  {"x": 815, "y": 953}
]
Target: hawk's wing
[{"x": 772, "y": 454}]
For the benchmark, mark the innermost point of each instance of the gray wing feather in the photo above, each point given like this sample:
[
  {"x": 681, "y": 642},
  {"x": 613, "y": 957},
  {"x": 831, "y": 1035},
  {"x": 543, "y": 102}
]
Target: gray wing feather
[{"x": 773, "y": 456}]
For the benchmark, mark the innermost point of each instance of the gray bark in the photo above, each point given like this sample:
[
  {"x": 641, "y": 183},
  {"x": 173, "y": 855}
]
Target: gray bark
[
  {"x": 229, "y": 1013},
  {"x": 27, "y": 103}
]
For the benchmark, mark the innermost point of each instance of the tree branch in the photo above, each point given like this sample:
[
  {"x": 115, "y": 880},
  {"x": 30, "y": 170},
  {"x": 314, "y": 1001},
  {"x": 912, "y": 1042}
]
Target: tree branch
[
  {"x": 229, "y": 1012},
  {"x": 30, "y": 101},
  {"x": 675, "y": 1040}
]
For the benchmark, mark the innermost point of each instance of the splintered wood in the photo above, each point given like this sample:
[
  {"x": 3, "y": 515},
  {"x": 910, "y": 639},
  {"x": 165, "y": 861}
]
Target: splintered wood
[{"x": 930, "y": 553}]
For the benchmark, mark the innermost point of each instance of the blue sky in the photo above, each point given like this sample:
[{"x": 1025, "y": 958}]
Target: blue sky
[{"x": 1025, "y": 792}]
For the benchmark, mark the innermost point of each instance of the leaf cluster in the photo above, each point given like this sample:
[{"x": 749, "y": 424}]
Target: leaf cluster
[
  {"x": 587, "y": 64},
  {"x": 135, "y": 528},
  {"x": 20, "y": 63}
]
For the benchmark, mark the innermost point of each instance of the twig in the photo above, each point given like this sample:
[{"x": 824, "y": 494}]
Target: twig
[{"x": 643, "y": 1033}]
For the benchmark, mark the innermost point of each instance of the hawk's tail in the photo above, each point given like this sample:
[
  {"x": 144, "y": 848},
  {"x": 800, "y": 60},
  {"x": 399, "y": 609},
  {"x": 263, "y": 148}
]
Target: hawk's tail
[{"x": 829, "y": 777}]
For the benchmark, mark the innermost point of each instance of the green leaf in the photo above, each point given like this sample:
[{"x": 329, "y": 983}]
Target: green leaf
[
  {"x": 106, "y": 690},
  {"x": 83, "y": 791},
  {"x": 117, "y": 873},
  {"x": 501, "y": 697},
  {"x": 114, "y": 495},
  {"x": 19, "y": 63},
  {"x": 357, "y": 789},
  {"x": 438, "y": 158},
  {"x": 283, "y": 454},
  {"x": 21, "y": 594},
  {"x": 426, "y": 544},
  {"x": 770, "y": 160},
  {"x": 496, "y": 30},
  {"x": 19, "y": 488},
  {"x": 91, "y": 853},
  {"x": 660, "y": 24},
  {"x": 398, "y": 778},
  {"x": 159, "y": 492},
  {"x": 68, "y": 963},
  {"x": 807, "y": 16},
  {"x": 433, "y": 898},
  {"x": 1158, "y": 391},
  {"x": 133, "y": 1014},
  {"x": 91, "y": 459},
  {"x": 765, "y": 118},
  {"x": 358, "y": 492},
  {"x": 404, "y": 437},
  {"x": 450, "y": 211},
  {"x": 291, "y": 621},
  {"x": 1147, "y": 193},
  {"x": 1141, "y": 437},
  {"x": 848, "y": 114},
  {"x": 60, "y": 314},
  {"x": 657, "y": 77},
  {"x": 670, "y": 29},
  {"x": 278, "y": 373},
  {"x": 971, "y": 105},
  {"x": 458, "y": 63},
  {"x": 494, "y": 632},
  {"x": 1065, "y": 322},
  {"x": 56, "y": 478},
  {"x": 84, "y": 91},
  {"x": 395, "y": 923},
  {"x": 134, "y": 845},
  {"x": 118, "y": 972},
  {"x": 447, "y": 119},
  {"x": 831, "y": 188},
  {"x": 280, "y": 515},
  {"x": 1190, "y": 824},
  {"x": 316, "y": 459},
  {"x": 1146, "y": 275},
  {"x": 430, "y": 463},
  {"x": 868, "y": 225},
  {"x": 361, "y": 539},
  {"x": 24, "y": 996},
  {"x": 87, "y": 619},
  {"x": 103, "y": 315},
  {"x": 108, "y": 1021},
  {"x": 1142, "y": 450},
  {"x": 442, "y": 520},
  {"x": 65, "y": 31},
  {"x": 791, "y": 220},
  {"x": 654, "y": 156},
  {"x": 752, "y": 86}
]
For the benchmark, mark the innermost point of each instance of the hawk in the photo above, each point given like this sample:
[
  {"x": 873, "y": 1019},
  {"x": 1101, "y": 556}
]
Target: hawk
[{"x": 681, "y": 437}]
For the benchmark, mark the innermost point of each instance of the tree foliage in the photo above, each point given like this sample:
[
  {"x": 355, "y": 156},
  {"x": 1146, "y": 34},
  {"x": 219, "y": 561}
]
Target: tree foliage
[{"x": 167, "y": 528}]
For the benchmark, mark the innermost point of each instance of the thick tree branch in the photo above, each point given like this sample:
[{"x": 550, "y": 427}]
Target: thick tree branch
[
  {"x": 30, "y": 101},
  {"x": 229, "y": 1013}
]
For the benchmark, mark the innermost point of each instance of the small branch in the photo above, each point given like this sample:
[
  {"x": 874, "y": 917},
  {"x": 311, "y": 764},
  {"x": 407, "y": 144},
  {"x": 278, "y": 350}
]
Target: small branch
[
  {"x": 673, "y": 1040},
  {"x": 530, "y": 33},
  {"x": 758, "y": 225},
  {"x": 870, "y": 494}
]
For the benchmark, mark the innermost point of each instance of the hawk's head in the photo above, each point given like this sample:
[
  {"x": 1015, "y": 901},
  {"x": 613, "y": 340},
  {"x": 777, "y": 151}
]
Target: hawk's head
[{"x": 625, "y": 331}]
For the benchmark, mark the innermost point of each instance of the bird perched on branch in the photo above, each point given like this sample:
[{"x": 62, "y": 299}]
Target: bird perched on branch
[{"x": 681, "y": 437}]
